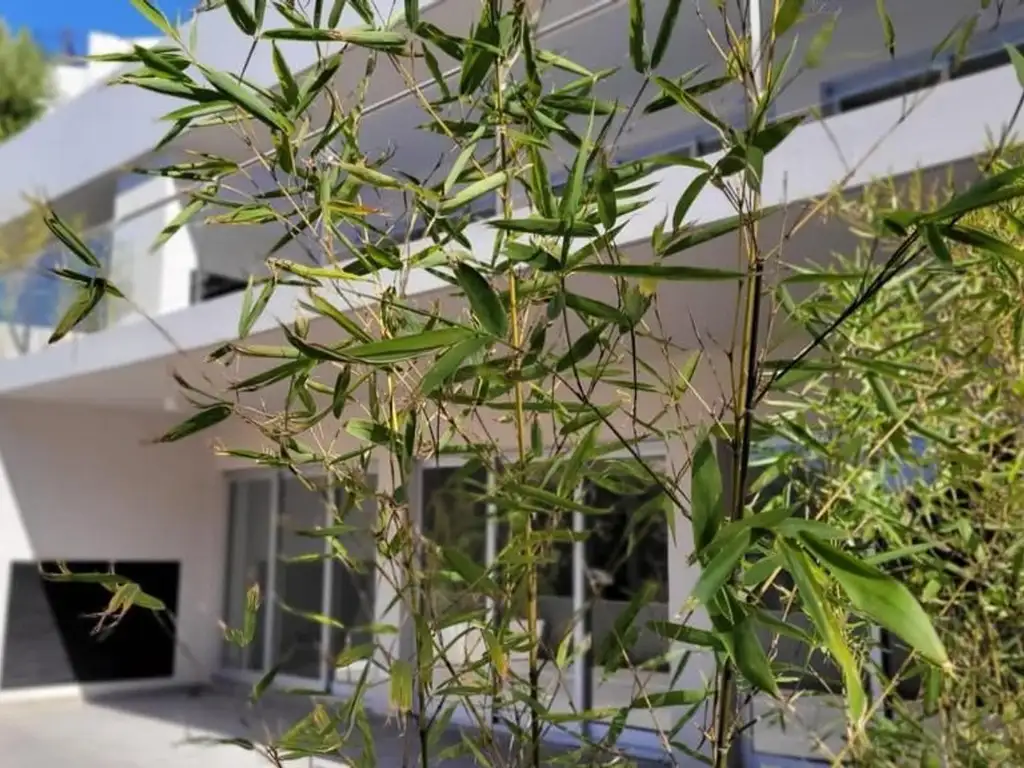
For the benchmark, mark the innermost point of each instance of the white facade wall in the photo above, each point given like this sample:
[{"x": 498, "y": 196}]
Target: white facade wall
[{"x": 81, "y": 484}]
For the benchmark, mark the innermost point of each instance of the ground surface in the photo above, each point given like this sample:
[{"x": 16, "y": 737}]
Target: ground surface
[{"x": 165, "y": 730}]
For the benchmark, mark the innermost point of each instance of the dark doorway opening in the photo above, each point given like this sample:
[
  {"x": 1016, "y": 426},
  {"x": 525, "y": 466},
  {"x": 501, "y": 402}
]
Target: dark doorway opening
[{"x": 51, "y": 636}]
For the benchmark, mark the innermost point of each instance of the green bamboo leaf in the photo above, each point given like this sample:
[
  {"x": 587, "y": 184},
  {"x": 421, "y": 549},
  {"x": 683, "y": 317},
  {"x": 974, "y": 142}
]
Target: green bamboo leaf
[
  {"x": 820, "y": 43},
  {"x": 154, "y": 16},
  {"x": 270, "y": 376},
  {"x": 537, "y": 225},
  {"x": 977, "y": 238},
  {"x": 88, "y": 297},
  {"x": 242, "y": 16},
  {"x": 340, "y": 394},
  {"x": 888, "y": 31},
  {"x": 686, "y": 98},
  {"x": 775, "y": 133},
  {"x": 588, "y": 307},
  {"x": 937, "y": 244},
  {"x": 388, "y": 41},
  {"x": 463, "y": 158},
  {"x": 477, "y": 189},
  {"x": 581, "y": 348},
  {"x": 692, "y": 237},
  {"x": 204, "y": 419},
  {"x": 247, "y": 99},
  {"x": 370, "y": 176},
  {"x": 483, "y": 300},
  {"x": 637, "y": 36},
  {"x": 479, "y": 57},
  {"x": 683, "y": 633},
  {"x": 1018, "y": 62},
  {"x": 67, "y": 236},
  {"x": 334, "y": 17},
  {"x": 665, "y": 30},
  {"x": 412, "y": 13},
  {"x": 660, "y": 272},
  {"x": 321, "y": 306},
  {"x": 448, "y": 363},
  {"x": 253, "y": 309},
  {"x": 686, "y": 200},
  {"x": 750, "y": 657},
  {"x": 473, "y": 574},
  {"x": 988, "y": 191},
  {"x": 786, "y": 15},
  {"x": 707, "y": 506},
  {"x": 408, "y": 347},
  {"x": 593, "y": 416},
  {"x": 611, "y": 654},
  {"x": 289, "y": 86},
  {"x": 827, "y": 623},
  {"x": 370, "y": 431},
  {"x": 720, "y": 568},
  {"x": 881, "y": 598},
  {"x": 607, "y": 205}
]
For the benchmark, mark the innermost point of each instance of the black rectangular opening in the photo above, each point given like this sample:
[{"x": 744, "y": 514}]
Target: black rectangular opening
[{"x": 51, "y": 638}]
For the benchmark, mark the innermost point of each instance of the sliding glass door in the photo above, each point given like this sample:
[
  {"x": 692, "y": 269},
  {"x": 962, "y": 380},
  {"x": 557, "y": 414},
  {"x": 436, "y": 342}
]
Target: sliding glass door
[
  {"x": 316, "y": 591},
  {"x": 594, "y": 660}
]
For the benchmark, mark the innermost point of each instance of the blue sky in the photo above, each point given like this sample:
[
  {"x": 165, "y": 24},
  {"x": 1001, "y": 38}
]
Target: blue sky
[{"x": 49, "y": 18}]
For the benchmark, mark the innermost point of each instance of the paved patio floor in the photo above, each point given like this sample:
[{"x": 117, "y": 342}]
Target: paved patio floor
[{"x": 166, "y": 730}]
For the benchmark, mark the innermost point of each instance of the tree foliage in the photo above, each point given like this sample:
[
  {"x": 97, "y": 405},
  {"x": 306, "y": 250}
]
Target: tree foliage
[{"x": 25, "y": 81}]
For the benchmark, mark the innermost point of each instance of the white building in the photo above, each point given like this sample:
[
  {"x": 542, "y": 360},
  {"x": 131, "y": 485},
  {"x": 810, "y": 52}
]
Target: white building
[{"x": 77, "y": 482}]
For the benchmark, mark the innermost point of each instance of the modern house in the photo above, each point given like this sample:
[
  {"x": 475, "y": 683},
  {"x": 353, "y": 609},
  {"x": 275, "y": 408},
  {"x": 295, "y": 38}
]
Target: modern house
[{"x": 79, "y": 481}]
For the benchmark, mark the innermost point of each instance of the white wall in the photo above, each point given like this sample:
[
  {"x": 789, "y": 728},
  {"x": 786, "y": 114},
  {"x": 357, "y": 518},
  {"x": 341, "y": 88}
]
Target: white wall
[
  {"x": 157, "y": 282},
  {"x": 79, "y": 483}
]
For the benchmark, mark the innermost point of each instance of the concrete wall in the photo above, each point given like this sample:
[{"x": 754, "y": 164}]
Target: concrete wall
[{"x": 80, "y": 484}]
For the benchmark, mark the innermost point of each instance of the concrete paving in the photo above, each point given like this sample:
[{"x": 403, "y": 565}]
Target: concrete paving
[{"x": 173, "y": 730}]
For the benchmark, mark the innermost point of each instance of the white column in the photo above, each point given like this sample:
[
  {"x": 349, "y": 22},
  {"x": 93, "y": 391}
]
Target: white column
[{"x": 159, "y": 281}]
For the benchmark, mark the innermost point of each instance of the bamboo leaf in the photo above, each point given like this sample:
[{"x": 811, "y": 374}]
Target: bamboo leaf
[
  {"x": 660, "y": 272},
  {"x": 477, "y": 189},
  {"x": 707, "y": 506},
  {"x": 340, "y": 394},
  {"x": 464, "y": 156},
  {"x": 448, "y": 363},
  {"x": 537, "y": 225},
  {"x": 977, "y": 238},
  {"x": 750, "y": 657},
  {"x": 154, "y": 16},
  {"x": 1018, "y": 62},
  {"x": 483, "y": 300},
  {"x": 370, "y": 431},
  {"x": 665, "y": 30},
  {"x": 242, "y": 16},
  {"x": 683, "y": 633},
  {"x": 73, "y": 242},
  {"x": 888, "y": 31},
  {"x": 253, "y": 309},
  {"x": 787, "y": 14},
  {"x": 637, "y": 36},
  {"x": 826, "y": 622},
  {"x": 247, "y": 99},
  {"x": 204, "y": 419},
  {"x": 881, "y": 598},
  {"x": 820, "y": 43},
  {"x": 717, "y": 572},
  {"x": 88, "y": 297},
  {"x": 408, "y": 347}
]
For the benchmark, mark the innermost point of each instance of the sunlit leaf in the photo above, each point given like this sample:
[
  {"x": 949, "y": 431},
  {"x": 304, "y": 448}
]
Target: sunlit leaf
[
  {"x": 637, "y": 36},
  {"x": 881, "y": 598}
]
